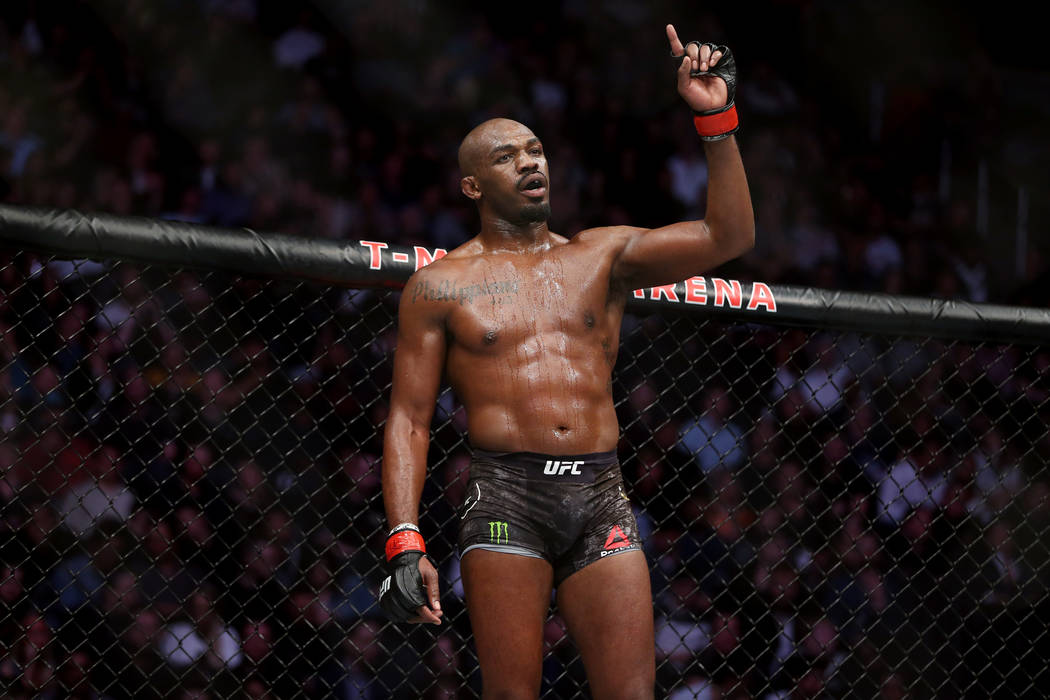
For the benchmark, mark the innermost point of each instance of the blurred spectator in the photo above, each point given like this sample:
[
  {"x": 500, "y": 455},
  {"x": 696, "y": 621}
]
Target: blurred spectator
[
  {"x": 365, "y": 655},
  {"x": 18, "y": 142},
  {"x": 918, "y": 480},
  {"x": 827, "y": 380},
  {"x": 202, "y": 639},
  {"x": 86, "y": 504},
  {"x": 79, "y": 578},
  {"x": 33, "y": 656},
  {"x": 714, "y": 439},
  {"x": 299, "y": 43},
  {"x": 163, "y": 578},
  {"x": 811, "y": 242},
  {"x": 688, "y": 170},
  {"x": 882, "y": 253}
]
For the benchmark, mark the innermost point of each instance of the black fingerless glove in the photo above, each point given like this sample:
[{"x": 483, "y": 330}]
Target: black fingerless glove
[
  {"x": 716, "y": 124},
  {"x": 401, "y": 593}
]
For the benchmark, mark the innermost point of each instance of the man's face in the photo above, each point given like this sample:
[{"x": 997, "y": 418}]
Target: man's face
[{"x": 512, "y": 174}]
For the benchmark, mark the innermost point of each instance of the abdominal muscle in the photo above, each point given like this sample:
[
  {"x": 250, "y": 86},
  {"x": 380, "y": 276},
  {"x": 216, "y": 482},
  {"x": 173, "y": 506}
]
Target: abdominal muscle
[{"x": 553, "y": 403}]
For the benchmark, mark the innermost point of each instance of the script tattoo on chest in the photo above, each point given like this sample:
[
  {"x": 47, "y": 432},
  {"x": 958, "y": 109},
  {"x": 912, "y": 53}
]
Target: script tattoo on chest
[{"x": 449, "y": 290}]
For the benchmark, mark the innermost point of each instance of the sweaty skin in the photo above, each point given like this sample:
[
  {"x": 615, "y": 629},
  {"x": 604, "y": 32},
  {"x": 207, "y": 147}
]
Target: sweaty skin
[
  {"x": 524, "y": 324},
  {"x": 530, "y": 352}
]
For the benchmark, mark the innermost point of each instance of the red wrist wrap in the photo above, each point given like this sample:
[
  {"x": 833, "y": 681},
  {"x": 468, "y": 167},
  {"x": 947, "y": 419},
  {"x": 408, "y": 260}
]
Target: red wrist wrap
[
  {"x": 404, "y": 541},
  {"x": 708, "y": 125}
]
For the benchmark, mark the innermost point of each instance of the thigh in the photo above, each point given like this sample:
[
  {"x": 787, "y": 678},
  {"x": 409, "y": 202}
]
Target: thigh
[
  {"x": 508, "y": 597},
  {"x": 608, "y": 608}
]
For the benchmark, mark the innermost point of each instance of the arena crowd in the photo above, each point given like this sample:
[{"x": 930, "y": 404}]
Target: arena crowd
[{"x": 189, "y": 481}]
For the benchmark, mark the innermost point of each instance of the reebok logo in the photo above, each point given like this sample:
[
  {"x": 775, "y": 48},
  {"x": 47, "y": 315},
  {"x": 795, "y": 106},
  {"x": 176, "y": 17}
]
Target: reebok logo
[
  {"x": 556, "y": 467},
  {"x": 617, "y": 539}
]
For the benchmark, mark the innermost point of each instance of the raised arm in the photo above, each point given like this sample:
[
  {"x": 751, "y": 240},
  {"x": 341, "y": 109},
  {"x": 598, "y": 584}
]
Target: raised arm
[
  {"x": 418, "y": 363},
  {"x": 707, "y": 83}
]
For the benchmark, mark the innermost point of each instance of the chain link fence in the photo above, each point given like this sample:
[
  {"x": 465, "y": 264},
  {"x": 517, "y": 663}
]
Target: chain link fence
[{"x": 189, "y": 484}]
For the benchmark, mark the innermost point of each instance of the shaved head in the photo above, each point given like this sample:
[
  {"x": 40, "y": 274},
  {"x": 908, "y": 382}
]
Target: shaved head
[
  {"x": 504, "y": 170},
  {"x": 483, "y": 138}
]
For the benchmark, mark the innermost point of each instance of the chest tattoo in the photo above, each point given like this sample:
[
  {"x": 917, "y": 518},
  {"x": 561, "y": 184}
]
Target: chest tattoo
[{"x": 449, "y": 290}]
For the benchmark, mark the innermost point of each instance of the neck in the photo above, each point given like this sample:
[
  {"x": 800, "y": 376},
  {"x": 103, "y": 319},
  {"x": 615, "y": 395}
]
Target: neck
[{"x": 498, "y": 234}]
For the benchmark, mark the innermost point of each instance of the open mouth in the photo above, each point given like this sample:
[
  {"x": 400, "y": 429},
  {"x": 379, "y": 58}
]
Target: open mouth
[{"x": 534, "y": 185}]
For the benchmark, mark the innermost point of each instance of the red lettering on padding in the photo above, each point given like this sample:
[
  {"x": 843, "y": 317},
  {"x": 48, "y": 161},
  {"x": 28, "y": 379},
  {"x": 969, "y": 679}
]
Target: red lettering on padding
[
  {"x": 762, "y": 295},
  {"x": 374, "y": 262},
  {"x": 696, "y": 290},
  {"x": 664, "y": 290},
  {"x": 424, "y": 258},
  {"x": 727, "y": 290}
]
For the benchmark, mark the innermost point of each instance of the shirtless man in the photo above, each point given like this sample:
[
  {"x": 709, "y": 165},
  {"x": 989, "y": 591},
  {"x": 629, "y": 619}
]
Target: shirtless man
[{"x": 525, "y": 325}]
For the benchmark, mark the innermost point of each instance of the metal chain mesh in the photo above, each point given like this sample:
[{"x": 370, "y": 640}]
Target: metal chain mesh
[{"x": 191, "y": 501}]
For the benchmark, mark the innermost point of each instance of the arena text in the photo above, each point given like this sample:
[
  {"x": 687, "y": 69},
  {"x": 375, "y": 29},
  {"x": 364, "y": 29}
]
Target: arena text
[{"x": 714, "y": 291}]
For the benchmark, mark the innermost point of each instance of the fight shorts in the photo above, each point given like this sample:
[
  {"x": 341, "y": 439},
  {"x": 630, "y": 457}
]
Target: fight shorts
[{"x": 570, "y": 510}]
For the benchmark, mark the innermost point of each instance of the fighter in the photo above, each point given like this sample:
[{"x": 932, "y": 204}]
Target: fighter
[{"x": 524, "y": 324}]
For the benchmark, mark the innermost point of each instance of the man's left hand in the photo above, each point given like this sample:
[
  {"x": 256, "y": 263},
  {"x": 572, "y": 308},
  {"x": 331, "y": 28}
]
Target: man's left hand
[{"x": 703, "y": 92}]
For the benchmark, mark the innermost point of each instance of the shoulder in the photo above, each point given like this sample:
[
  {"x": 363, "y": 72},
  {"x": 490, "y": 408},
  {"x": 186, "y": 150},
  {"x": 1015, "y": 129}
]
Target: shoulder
[
  {"x": 465, "y": 251},
  {"x": 420, "y": 297},
  {"x": 607, "y": 238},
  {"x": 455, "y": 263},
  {"x": 430, "y": 289},
  {"x": 458, "y": 262}
]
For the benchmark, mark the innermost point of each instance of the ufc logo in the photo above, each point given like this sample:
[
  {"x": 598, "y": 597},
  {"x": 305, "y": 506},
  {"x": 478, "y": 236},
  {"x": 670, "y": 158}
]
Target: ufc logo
[{"x": 555, "y": 466}]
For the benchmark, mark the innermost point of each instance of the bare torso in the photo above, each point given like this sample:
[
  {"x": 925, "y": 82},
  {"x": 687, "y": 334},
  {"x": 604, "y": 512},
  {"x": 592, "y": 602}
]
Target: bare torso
[{"x": 531, "y": 341}]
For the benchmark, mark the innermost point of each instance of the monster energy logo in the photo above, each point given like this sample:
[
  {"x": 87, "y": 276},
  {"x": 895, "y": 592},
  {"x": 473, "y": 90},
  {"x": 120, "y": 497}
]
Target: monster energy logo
[{"x": 498, "y": 532}]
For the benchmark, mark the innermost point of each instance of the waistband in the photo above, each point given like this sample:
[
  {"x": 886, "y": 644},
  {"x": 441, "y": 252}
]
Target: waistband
[{"x": 536, "y": 465}]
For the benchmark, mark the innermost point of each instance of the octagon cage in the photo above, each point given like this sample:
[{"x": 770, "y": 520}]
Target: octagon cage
[{"x": 839, "y": 495}]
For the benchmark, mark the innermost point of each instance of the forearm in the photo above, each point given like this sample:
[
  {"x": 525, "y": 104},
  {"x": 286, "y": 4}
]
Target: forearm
[
  {"x": 729, "y": 216},
  {"x": 404, "y": 469}
]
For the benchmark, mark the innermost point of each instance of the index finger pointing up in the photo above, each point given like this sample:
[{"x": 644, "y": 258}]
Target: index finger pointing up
[{"x": 676, "y": 45}]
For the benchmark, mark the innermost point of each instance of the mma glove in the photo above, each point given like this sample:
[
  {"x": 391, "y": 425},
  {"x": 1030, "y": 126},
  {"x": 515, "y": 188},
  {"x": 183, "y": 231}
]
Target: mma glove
[
  {"x": 402, "y": 593},
  {"x": 716, "y": 124}
]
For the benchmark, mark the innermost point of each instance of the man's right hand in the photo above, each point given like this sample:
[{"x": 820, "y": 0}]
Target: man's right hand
[{"x": 411, "y": 592}]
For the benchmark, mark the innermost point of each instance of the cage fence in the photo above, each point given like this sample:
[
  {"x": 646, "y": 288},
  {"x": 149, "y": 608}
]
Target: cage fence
[{"x": 191, "y": 500}]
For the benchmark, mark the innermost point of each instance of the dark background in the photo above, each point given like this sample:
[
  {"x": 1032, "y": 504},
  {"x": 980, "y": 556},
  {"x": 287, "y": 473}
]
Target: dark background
[{"x": 890, "y": 146}]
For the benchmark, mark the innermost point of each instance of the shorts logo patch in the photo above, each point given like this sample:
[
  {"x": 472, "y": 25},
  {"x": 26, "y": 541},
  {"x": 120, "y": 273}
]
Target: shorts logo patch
[
  {"x": 616, "y": 539},
  {"x": 498, "y": 532},
  {"x": 472, "y": 500},
  {"x": 557, "y": 467}
]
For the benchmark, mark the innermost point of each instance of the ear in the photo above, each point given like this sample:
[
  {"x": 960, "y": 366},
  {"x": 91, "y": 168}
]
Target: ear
[{"x": 470, "y": 187}]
